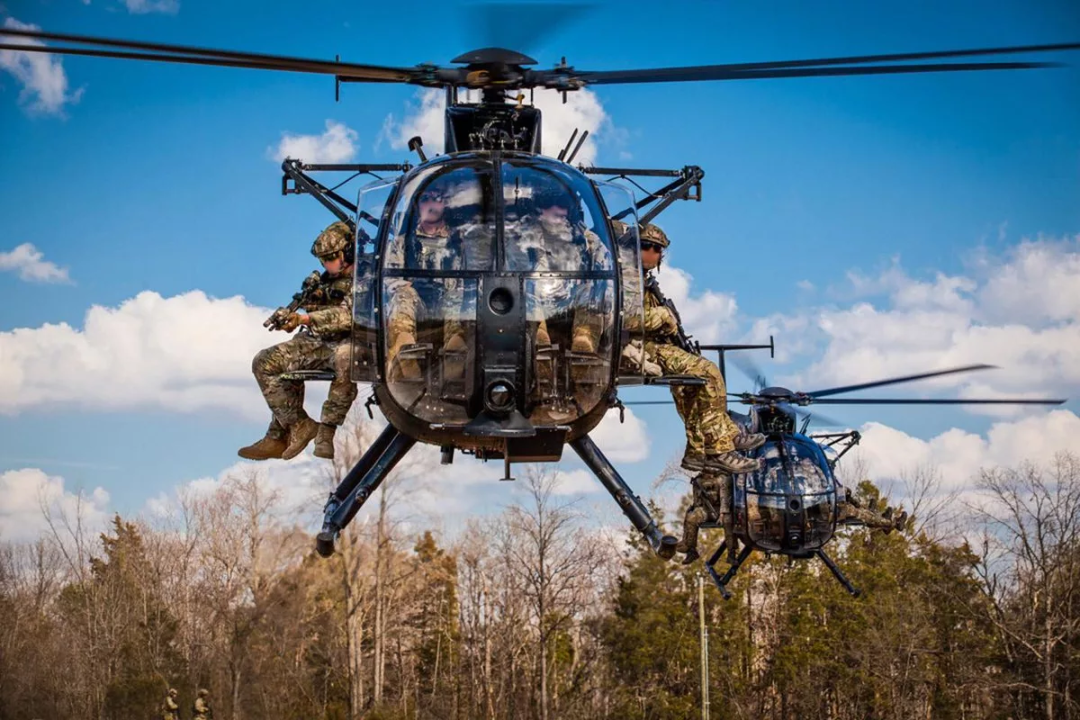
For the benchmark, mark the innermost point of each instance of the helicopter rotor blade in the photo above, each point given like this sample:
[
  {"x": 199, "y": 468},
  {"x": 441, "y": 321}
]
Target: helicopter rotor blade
[
  {"x": 624, "y": 76},
  {"x": 721, "y": 72},
  {"x": 893, "y": 381},
  {"x": 750, "y": 369},
  {"x": 935, "y": 401},
  {"x": 524, "y": 25},
  {"x": 819, "y": 419},
  {"x": 205, "y": 56}
]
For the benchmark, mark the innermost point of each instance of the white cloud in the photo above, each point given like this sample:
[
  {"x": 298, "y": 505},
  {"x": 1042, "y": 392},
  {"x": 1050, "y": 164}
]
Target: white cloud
[
  {"x": 142, "y": 7},
  {"x": 25, "y": 493},
  {"x": 45, "y": 85},
  {"x": 582, "y": 111},
  {"x": 709, "y": 316},
  {"x": 621, "y": 442},
  {"x": 336, "y": 145},
  {"x": 183, "y": 353},
  {"x": 1019, "y": 311},
  {"x": 889, "y": 454},
  {"x": 27, "y": 261}
]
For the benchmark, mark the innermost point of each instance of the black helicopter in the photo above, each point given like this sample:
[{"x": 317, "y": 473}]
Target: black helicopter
[
  {"x": 513, "y": 392},
  {"x": 791, "y": 505}
]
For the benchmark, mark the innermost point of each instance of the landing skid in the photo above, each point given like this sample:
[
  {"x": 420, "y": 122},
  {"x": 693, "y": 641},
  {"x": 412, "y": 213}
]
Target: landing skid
[
  {"x": 663, "y": 545},
  {"x": 721, "y": 582}
]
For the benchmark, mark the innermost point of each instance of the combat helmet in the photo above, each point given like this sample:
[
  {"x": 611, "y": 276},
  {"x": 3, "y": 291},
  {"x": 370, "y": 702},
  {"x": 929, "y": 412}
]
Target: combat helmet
[
  {"x": 172, "y": 692},
  {"x": 337, "y": 237},
  {"x": 203, "y": 692},
  {"x": 653, "y": 234}
]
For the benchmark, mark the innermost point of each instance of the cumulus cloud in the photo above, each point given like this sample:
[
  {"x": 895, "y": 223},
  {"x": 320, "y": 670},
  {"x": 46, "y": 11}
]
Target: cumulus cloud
[
  {"x": 184, "y": 353},
  {"x": 28, "y": 261},
  {"x": 27, "y": 494},
  {"x": 337, "y": 144},
  {"x": 625, "y": 442},
  {"x": 582, "y": 111},
  {"x": 45, "y": 87},
  {"x": 887, "y": 454},
  {"x": 707, "y": 315},
  {"x": 1019, "y": 310}
]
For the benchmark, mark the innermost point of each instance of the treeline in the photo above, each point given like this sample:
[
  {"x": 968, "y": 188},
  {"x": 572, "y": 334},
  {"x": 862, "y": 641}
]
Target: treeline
[{"x": 533, "y": 613}]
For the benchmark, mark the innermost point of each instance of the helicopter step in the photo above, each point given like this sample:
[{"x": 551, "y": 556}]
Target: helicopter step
[
  {"x": 359, "y": 484},
  {"x": 632, "y": 507}
]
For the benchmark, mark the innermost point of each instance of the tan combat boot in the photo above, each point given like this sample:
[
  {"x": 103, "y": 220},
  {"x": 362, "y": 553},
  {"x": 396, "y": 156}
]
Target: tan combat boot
[
  {"x": 749, "y": 441},
  {"x": 267, "y": 448},
  {"x": 324, "y": 441},
  {"x": 300, "y": 435},
  {"x": 406, "y": 369},
  {"x": 731, "y": 462},
  {"x": 583, "y": 342}
]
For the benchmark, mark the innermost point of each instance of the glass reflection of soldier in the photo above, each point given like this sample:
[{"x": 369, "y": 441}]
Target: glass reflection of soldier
[
  {"x": 322, "y": 345},
  {"x": 850, "y": 512},
  {"x": 169, "y": 709},
  {"x": 553, "y": 238},
  {"x": 431, "y": 247},
  {"x": 201, "y": 709}
]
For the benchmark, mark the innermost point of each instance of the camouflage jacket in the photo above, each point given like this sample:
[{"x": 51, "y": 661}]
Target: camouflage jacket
[
  {"x": 531, "y": 246},
  {"x": 425, "y": 251},
  {"x": 660, "y": 324},
  {"x": 329, "y": 306},
  {"x": 201, "y": 709}
]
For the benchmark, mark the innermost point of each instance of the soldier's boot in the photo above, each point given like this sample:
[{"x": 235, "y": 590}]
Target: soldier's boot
[
  {"x": 542, "y": 336},
  {"x": 901, "y": 520},
  {"x": 324, "y": 441},
  {"x": 583, "y": 342},
  {"x": 731, "y": 462},
  {"x": 688, "y": 544},
  {"x": 407, "y": 369},
  {"x": 269, "y": 447},
  {"x": 300, "y": 434},
  {"x": 693, "y": 461},
  {"x": 455, "y": 368},
  {"x": 749, "y": 441}
]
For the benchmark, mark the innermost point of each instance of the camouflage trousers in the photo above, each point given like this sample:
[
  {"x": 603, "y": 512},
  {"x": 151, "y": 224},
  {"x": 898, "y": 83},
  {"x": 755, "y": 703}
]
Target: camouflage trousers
[
  {"x": 711, "y": 490},
  {"x": 286, "y": 397},
  {"x": 848, "y": 513},
  {"x": 703, "y": 408},
  {"x": 404, "y": 306}
]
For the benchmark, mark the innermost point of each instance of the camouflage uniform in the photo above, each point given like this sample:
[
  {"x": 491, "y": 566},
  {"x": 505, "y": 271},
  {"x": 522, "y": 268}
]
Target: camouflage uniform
[
  {"x": 849, "y": 513},
  {"x": 703, "y": 408},
  {"x": 325, "y": 345},
  {"x": 170, "y": 710},
  {"x": 431, "y": 250},
  {"x": 201, "y": 709},
  {"x": 711, "y": 490},
  {"x": 537, "y": 246}
]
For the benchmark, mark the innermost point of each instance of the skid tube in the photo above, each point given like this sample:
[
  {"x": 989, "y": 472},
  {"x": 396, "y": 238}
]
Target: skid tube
[
  {"x": 356, "y": 487},
  {"x": 663, "y": 545}
]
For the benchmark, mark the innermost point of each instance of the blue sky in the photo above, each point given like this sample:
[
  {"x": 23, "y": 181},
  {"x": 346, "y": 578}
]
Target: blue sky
[{"x": 162, "y": 178}]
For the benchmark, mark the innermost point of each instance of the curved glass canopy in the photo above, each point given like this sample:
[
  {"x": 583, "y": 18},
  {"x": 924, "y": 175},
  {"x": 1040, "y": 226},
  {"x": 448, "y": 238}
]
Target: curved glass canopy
[
  {"x": 789, "y": 505},
  {"x": 496, "y": 270}
]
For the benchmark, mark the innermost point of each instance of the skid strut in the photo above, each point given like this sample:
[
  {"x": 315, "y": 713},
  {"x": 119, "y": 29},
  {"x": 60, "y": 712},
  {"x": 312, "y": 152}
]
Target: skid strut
[
  {"x": 663, "y": 545},
  {"x": 356, "y": 487}
]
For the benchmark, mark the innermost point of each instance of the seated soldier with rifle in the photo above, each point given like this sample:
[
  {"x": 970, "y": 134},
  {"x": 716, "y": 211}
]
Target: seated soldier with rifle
[
  {"x": 323, "y": 343},
  {"x": 712, "y": 437}
]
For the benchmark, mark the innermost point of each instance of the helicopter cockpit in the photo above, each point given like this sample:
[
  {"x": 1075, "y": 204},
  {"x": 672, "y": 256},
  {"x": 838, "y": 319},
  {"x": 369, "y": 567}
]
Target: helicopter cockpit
[
  {"x": 497, "y": 293},
  {"x": 790, "y": 504}
]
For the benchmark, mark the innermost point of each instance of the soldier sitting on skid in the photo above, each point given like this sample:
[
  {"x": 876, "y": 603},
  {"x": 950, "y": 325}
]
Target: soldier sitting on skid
[
  {"x": 323, "y": 344},
  {"x": 712, "y": 437},
  {"x": 432, "y": 247}
]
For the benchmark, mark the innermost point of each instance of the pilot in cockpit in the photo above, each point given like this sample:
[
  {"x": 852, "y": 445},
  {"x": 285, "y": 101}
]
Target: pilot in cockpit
[
  {"x": 553, "y": 238},
  {"x": 431, "y": 246}
]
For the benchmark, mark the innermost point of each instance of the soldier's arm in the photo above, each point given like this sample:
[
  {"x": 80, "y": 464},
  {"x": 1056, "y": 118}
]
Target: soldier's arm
[
  {"x": 658, "y": 322},
  {"x": 333, "y": 319}
]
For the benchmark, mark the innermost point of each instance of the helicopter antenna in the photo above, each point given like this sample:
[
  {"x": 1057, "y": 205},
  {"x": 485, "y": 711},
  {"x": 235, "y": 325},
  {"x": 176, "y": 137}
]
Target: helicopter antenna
[
  {"x": 417, "y": 144},
  {"x": 562, "y": 153},
  {"x": 578, "y": 147}
]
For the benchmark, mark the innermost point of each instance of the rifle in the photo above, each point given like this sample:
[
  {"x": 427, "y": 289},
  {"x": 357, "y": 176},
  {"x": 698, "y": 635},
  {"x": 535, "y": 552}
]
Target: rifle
[
  {"x": 682, "y": 340},
  {"x": 308, "y": 291}
]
